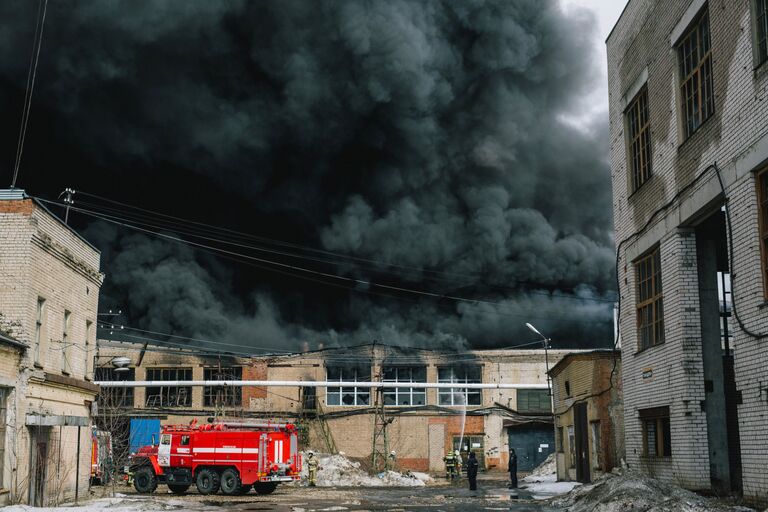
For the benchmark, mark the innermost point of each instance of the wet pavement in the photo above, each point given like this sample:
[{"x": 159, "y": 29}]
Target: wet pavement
[{"x": 491, "y": 495}]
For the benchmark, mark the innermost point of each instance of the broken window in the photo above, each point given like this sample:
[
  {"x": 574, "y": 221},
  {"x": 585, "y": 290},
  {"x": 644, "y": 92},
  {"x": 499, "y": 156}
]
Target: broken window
[
  {"x": 39, "y": 317},
  {"x": 650, "y": 301},
  {"x": 761, "y": 26},
  {"x": 115, "y": 398},
  {"x": 639, "y": 138},
  {"x": 533, "y": 400},
  {"x": 405, "y": 396},
  {"x": 66, "y": 366},
  {"x": 349, "y": 396},
  {"x": 724, "y": 296},
  {"x": 462, "y": 375},
  {"x": 223, "y": 396},
  {"x": 657, "y": 440},
  {"x": 169, "y": 396},
  {"x": 762, "y": 184},
  {"x": 696, "y": 89}
]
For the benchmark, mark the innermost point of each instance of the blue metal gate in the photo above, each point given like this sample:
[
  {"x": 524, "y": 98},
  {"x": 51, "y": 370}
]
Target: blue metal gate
[
  {"x": 532, "y": 444},
  {"x": 143, "y": 430}
]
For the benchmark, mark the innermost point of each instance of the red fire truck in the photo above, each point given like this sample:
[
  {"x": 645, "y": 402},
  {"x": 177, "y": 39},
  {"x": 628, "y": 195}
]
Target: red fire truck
[{"x": 231, "y": 457}]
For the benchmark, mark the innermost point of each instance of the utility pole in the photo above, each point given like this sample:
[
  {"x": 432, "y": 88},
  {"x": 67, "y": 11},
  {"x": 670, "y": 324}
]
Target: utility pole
[{"x": 380, "y": 449}]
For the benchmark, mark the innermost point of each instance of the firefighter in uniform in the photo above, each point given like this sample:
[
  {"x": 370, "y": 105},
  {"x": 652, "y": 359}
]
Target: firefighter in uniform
[
  {"x": 312, "y": 466},
  {"x": 452, "y": 465}
]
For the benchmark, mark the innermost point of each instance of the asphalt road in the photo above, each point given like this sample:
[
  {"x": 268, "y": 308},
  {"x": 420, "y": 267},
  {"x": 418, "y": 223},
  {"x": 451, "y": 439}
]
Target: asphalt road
[{"x": 491, "y": 495}]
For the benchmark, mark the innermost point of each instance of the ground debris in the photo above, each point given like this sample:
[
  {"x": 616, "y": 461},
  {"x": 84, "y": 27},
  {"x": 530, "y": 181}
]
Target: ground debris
[
  {"x": 339, "y": 471},
  {"x": 630, "y": 491}
]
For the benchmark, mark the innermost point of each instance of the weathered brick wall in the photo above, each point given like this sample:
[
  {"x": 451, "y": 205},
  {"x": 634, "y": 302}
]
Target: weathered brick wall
[{"x": 736, "y": 137}]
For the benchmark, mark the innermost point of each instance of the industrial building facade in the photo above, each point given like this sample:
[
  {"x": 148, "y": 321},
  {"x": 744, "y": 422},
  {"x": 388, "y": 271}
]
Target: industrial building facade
[
  {"x": 688, "y": 106},
  {"x": 422, "y": 425},
  {"x": 49, "y": 292}
]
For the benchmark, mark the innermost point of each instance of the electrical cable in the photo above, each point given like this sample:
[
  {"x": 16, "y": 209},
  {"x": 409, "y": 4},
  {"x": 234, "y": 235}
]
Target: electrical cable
[{"x": 30, "y": 87}]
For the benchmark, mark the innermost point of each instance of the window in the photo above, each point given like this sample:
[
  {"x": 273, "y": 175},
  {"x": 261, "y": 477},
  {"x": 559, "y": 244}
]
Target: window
[
  {"x": 650, "y": 302},
  {"x": 559, "y": 440},
  {"x": 165, "y": 439},
  {"x": 88, "y": 355},
  {"x": 184, "y": 441},
  {"x": 597, "y": 450},
  {"x": 657, "y": 441},
  {"x": 762, "y": 183},
  {"x": 761, "y": 26},
  {"x": 571, "y": 446},
  {"x": 223, "y": 396},
  {"x": 351, "y": 395},
  {"x": 460, "y": 375},
  {"x": 66, "y": 366},
  {"x": 171, "y": 396},
  {"x": 567, "y": 388},
  {"x": 696, "y": 90},
  {"x": 39, "y": 318},
  {"x": 533, "y": 400},
  {"x": 638, "y": 128},
  {"x": 405, "y": 396},
  {"x": 115, "y": 398}
]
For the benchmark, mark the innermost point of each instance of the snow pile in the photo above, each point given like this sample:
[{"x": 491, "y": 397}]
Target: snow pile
[
  {"x": 548, "y": 467},
  {"x": 339, "y": 471},
  {"x": 617, "y": 492}
]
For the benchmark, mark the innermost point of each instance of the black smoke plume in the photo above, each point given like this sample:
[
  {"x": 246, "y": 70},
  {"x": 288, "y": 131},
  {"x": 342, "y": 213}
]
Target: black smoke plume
[{"x": 435, "y": 138}]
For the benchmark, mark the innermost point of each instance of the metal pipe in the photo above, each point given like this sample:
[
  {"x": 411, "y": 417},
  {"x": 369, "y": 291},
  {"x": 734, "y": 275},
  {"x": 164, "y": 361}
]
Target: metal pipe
[{"x": 313, "y": 384}]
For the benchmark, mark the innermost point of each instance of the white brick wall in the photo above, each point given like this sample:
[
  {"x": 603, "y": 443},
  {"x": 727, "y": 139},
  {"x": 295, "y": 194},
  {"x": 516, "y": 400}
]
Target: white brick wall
[{"x": 736, "y": 137}]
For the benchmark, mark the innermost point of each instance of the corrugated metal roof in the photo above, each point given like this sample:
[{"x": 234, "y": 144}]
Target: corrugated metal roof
[{"x": 8, "y": 194}]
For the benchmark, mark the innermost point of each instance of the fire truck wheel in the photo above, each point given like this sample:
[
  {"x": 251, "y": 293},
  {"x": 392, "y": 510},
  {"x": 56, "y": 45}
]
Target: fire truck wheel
[
  {"x": 265, "y": 487},
  {"x": 144, "y": 480},
  {"x": 207, "y": 481},
  {"x": 178, "y": 488},
  {"x": 245, "y": 489},
  {"x": 230, "y": 482}
]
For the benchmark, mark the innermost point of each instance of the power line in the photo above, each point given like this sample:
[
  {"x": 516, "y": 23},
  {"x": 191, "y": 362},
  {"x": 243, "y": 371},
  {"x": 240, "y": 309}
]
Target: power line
[{"x": 30, "y": 87}]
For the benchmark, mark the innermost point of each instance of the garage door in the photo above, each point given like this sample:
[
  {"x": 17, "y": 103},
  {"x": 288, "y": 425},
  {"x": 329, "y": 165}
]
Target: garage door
[{"x": 532, "y": 443}]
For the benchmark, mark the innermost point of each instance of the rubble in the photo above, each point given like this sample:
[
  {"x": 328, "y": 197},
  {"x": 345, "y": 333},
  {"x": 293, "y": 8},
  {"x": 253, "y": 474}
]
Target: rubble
[
  {"x": 339, "y": 471},
  {"x": 628, "y": 491}
]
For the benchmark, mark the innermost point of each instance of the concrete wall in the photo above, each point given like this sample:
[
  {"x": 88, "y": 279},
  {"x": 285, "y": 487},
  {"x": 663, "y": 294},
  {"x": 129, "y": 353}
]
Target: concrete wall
[{"x": 641, "y": 48}]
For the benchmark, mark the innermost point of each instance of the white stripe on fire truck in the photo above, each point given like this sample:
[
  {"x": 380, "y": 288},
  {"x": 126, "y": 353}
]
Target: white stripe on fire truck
[{"x": 225, "y": 450}]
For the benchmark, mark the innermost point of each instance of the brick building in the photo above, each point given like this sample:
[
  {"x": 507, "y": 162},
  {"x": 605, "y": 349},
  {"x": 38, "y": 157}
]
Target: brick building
[
  {"x": 589, "y": 414},
  {"x": 688, "y": 86},
  {"x": 425, "y": 423},
  {"x": 49, "y": 291}
]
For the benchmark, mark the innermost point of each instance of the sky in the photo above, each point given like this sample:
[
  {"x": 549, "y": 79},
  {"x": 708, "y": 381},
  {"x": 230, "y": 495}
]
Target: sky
[{"x": 281, "y": 174}]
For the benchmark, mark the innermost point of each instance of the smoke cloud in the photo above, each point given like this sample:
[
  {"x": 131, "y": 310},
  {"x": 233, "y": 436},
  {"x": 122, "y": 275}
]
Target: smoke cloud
[{"x": 427, "y": 135}]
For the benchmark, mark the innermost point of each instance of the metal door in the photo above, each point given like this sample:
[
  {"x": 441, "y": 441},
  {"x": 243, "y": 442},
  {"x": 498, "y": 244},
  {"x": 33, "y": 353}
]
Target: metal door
[
  {"x": 41, "y": 463},
  {"x": 581, "y": 437},
  {"x": 532, "y": 444}
]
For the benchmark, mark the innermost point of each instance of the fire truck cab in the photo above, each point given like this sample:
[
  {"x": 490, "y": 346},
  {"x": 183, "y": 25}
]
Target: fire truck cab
[{"x": 231, "y": 457}]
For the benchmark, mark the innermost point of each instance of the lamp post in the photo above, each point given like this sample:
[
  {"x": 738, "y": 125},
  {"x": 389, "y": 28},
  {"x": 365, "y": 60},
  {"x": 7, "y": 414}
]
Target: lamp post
[{"x": 545, "y": 341}]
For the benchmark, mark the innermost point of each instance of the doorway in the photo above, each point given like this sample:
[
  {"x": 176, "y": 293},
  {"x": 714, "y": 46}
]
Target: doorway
[
  {"x": 581, "y": 434},
  {"x": 39, "y": 444}
]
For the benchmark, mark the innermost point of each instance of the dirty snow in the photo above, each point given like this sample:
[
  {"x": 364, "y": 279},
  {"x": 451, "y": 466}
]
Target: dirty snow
[
  {"x": 339, "y": 471},
  {"x": 631, "y": 491},
  {"x": 548, "y": 467},
  {"x": 542, "y": 482},
  {"x": 117, "y": 504}
]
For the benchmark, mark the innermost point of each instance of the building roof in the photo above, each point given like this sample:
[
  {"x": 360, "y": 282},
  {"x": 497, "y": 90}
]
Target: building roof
[
  {"x": 586, "y": 354},
  {"x": 19, "y": 194}
]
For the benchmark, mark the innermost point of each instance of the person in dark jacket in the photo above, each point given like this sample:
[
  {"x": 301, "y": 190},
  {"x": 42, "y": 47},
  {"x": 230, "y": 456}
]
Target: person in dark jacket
[
  {"x": 472, "y": 466},
  {"x": 512, "y": 469}
]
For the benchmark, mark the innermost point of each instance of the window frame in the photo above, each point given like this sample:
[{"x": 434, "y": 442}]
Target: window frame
[
  {"x": 396, "y": 394},
  {"x": 166, "y": 392},
  {"x": 232, "y": 396},
  {"x": 760, "y": 56},
  {"x": 40, "y": 314},
  {"x": 115, "y": 397},
  {"x": 659, "y": 418},
  {"x": 652, "y": 300},
  {"x": 701, "y": 67},
  {"x": 359, "y": 374},
  {"x": 66, "y": 365},
  {"x": 476, "y": 395},
  {"x": 571, "y": 445},
  {"x": 533, "y": 391},
  {"x": 761, "y": 183},
  {"x": 640, "y": 163}
]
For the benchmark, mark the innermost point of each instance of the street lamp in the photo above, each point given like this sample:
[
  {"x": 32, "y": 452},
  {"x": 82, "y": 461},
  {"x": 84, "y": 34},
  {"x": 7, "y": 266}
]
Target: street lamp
[{"x": 545, "y": 341}]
